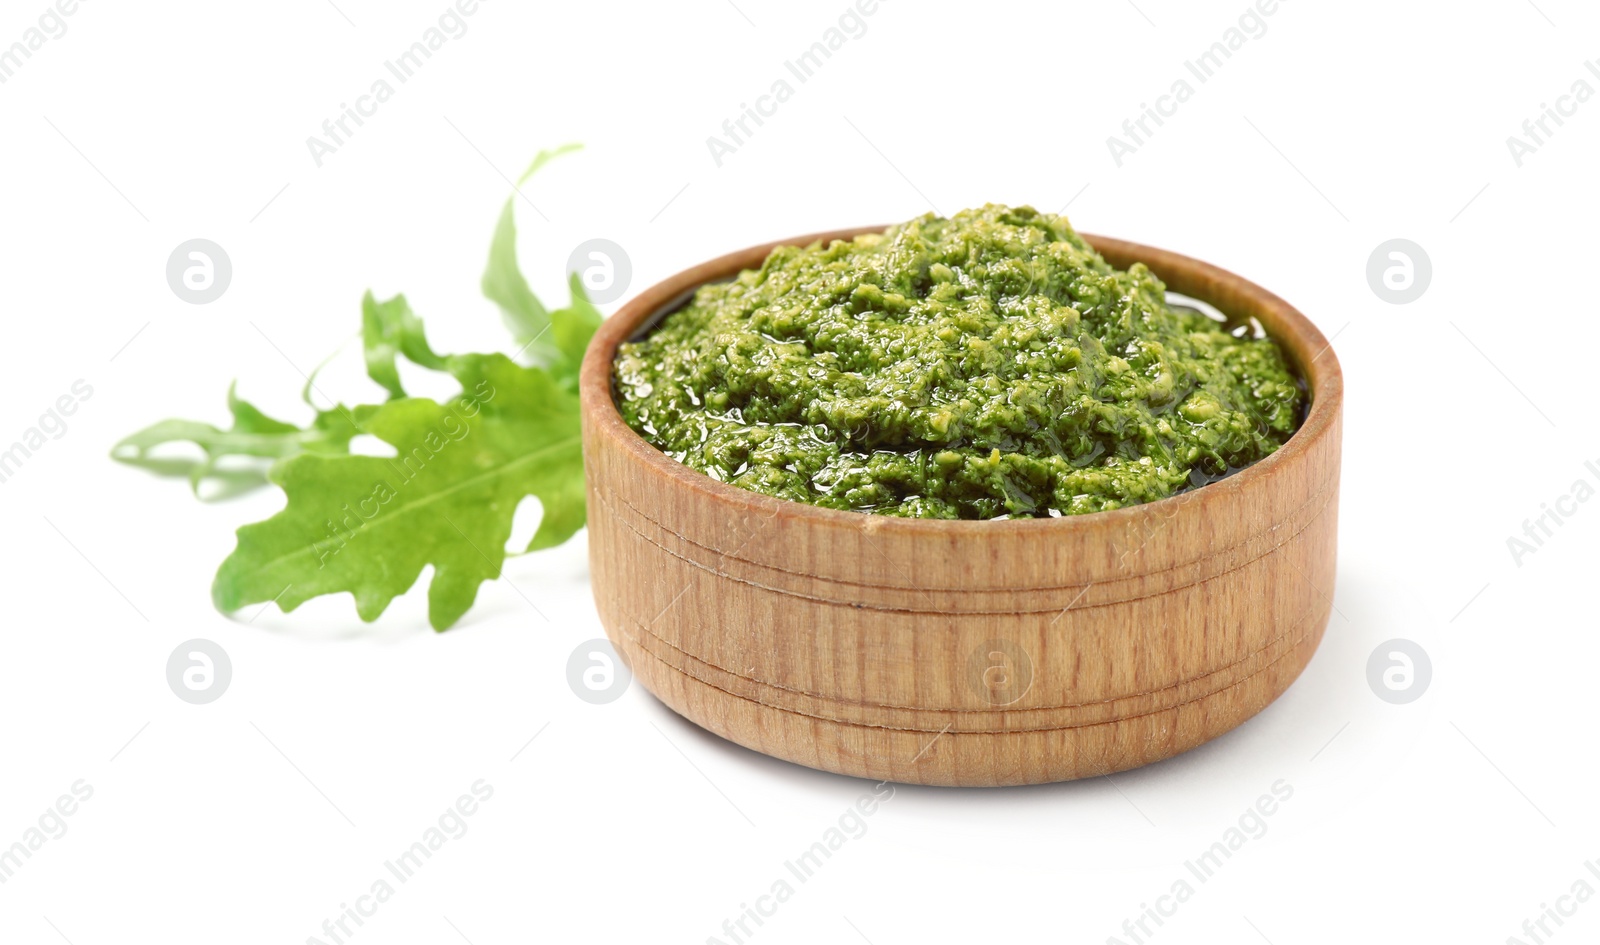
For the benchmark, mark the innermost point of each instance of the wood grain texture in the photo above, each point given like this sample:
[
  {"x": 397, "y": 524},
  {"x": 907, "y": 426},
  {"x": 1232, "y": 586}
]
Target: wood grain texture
[{"x": 956, "y": 652}]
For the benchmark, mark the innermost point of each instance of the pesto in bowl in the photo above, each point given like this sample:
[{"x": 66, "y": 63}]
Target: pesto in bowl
[{"x": 987, "y": 365}]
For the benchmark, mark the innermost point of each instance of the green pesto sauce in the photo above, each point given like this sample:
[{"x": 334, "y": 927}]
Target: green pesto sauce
[{"x": 987, "y": 365}]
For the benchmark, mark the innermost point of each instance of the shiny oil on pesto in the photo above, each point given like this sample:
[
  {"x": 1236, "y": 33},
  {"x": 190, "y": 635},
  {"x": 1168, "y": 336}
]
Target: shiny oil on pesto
[{"x": 987, "y": 365}]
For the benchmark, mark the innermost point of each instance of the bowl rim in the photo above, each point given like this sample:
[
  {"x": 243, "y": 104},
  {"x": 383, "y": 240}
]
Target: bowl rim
[{"x": 1320, "y": 371}]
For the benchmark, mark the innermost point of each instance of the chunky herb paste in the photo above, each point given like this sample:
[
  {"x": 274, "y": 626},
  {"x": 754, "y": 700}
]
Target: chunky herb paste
[{"x": 987, "y": 365}]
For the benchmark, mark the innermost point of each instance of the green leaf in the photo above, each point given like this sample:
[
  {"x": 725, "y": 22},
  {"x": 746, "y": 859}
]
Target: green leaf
[
  {"x": 368, "y": 525},
  {"x": 545, "y": 157},
  {"x": 503, "y": 283},
  {"x": 574, "y": 325},
  {"x": 311, "y": 379},
  {"x": 564, "y": 509},
  {"x": 253, "y": 433},
  {"x": 389, "y": 329}
]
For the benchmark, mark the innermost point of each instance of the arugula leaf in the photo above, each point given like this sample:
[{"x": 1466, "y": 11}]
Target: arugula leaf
[
  {"x": 368, "y": 525},
  {"x": 389, "y": 329},
  {"x": 573, "y": 326},
  {"x": 253, "y": 433},
  {"x": 503, "y": 283}
]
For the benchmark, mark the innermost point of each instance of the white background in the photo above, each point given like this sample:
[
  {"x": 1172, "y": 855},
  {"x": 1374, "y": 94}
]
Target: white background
[{"x": 253, "y": 818}]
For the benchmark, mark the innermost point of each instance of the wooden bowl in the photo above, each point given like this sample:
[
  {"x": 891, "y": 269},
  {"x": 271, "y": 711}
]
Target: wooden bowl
[{"x": 964, "y": 652}]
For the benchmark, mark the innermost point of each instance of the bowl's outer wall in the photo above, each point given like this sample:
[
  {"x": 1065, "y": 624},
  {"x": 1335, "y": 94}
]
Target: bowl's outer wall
[{"x": 967, "y": 653}]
